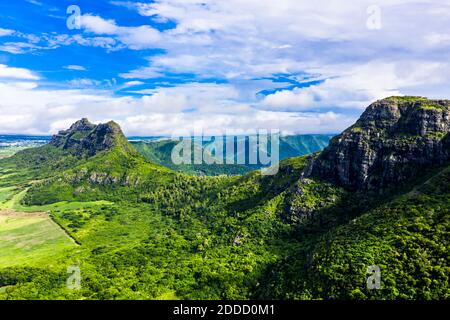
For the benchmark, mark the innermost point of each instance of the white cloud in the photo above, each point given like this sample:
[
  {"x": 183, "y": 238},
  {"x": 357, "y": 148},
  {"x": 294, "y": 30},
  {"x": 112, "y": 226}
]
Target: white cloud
[
  {"x": 75, "y": 67},
  {"x": 436, "y": 38},
  {"x": 5, "y": 32},
  {"x": 359, "y": 85},
  {"x": 102, "y": 42},
  {"x": 18, "y": 47},
  {"x": 84, "y": 82},
  {"x": 28, "y": 43},
  {"x": 36, "y": 3},
  {"x": 87, "y": 83},
  {"x": 99, "y": 25},
  {"x": 136, "y": 38},
  {"x": 129, "y": 84},
  {"x": 21, "y": 85},
  {"x": 142, "y": 73},
  {"x": 17, "y": 73},
  {"x": 245, "y": 44},
  {"x": 33, "y": 110},
  {"x": 252, "y": 38}
]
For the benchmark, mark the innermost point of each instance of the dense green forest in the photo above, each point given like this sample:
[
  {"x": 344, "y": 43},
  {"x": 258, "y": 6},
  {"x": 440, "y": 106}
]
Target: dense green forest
[
  {"x": 289, "y": 146},
  {"x": 138, "y": 230}
]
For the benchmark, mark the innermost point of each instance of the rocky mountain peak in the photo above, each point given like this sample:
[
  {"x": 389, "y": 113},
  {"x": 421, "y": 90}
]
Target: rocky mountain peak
[
  {"x": 85, "y": 138},
  {"x": 82, "y": 125},
  {"x": 409, "y": 115},
  {"x": 394, "y": 139}
]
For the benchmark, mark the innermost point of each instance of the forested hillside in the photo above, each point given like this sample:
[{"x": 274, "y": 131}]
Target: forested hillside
[
  {"x": 289, "y": 146},
  {"x": 142, "y": 231}
]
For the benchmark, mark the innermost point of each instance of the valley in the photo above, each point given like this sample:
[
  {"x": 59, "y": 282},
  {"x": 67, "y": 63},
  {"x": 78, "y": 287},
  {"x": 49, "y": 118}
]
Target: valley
[{"x": 159, "y": 149}]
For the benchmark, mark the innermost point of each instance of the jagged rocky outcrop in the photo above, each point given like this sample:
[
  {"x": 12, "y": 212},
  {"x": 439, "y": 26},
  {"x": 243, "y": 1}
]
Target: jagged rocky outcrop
[
  {"x": 394, "y": 140},
  {"x": 85, "y": 138}
]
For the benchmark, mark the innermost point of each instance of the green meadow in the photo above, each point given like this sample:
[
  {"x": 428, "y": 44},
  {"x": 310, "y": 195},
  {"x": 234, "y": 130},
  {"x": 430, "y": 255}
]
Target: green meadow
[{"x": 30, "y": 240}]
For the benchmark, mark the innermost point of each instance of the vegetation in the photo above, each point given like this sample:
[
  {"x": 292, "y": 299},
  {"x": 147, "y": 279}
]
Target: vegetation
[
  {"x": 138, "y": 230},
  {"x": 30, "y": 239},
  {"x": 406, "y": 99},
  {"x": 6, "y": 152},
  {"x": 290, "y": 146},
  {"x": 407, "y": 237}
]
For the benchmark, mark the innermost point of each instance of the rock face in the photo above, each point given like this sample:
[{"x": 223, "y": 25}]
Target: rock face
[
  {"x": 85, "y": 138},
  {"x": 394, "y": 140}
]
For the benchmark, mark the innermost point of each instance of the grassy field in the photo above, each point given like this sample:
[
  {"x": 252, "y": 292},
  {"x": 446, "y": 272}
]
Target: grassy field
[
  {"x": 6, "y": 194},
  {"x": 6, "y": 152},
  {"x": 30, "y": 238}
]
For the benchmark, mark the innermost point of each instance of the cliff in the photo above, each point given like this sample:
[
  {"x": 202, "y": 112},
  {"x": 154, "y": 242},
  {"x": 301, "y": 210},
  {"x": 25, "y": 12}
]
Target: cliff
[{"x": 394, "y": 140}]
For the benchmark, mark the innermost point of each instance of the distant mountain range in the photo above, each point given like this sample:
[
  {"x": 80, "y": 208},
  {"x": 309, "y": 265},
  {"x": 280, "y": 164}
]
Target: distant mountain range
[
  {"x": 289, "y": 146},
  {"x": 158, "y": 149}
]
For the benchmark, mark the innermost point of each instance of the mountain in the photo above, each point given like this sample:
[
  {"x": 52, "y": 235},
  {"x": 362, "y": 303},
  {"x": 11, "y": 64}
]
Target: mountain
[
  {"x": 78, "y": 139},
  {"x": 378, "y": 195},
  {"x": 289, "y": 146},
  {"x": 393, "y": 140},
  {"x": 160, "y": 152},
  {"x": 300, "y": 145},
  {"x": 377, "y": 198},
  {"x": 84, "y": 137}
]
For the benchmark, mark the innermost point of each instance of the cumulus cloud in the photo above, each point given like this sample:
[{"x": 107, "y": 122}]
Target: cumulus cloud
[
  {"x": 17, "y": 73},
  {"x": 240, "y": 41},
  {"x": 247, "y": 47},
  {"x": 98, "y": 25},
  {"x": 358, "y": 85},
  {"x": 136, "y": 38},
  {"x": 33, "y": 110}
]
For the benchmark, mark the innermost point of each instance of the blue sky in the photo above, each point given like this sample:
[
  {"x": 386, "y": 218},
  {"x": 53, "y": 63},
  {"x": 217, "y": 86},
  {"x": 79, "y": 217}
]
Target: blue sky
[{"x": 165, "y": 65}]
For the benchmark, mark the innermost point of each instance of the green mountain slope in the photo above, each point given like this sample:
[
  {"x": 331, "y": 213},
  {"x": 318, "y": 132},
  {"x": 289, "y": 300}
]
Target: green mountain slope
[
  {"x": 147, "y": 232},
  {"x": 290, "y": 146},
  {"x": 406, "y": 236}
]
